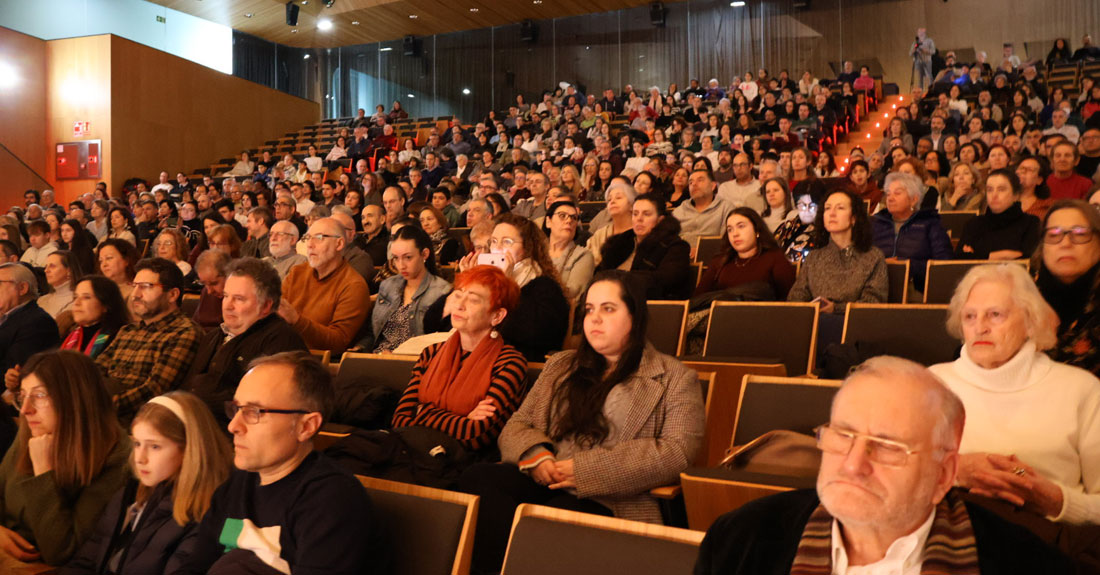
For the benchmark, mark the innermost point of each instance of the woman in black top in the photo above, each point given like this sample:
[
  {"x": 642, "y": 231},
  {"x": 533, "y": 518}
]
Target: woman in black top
[
  {"x": 652, "y": 251},
  {"x": 1004, "y": 231}
]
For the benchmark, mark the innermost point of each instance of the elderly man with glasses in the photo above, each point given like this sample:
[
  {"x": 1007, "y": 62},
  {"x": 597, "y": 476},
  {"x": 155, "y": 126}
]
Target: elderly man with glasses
[
  {"x": 326, "y": 301},
  {"x": 884, "y": 501},
  {"x": 286, "y": 508}
]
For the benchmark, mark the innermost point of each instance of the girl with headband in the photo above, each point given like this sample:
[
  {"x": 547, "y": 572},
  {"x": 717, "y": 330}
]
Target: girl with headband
[{"x": 179, "y": 458}]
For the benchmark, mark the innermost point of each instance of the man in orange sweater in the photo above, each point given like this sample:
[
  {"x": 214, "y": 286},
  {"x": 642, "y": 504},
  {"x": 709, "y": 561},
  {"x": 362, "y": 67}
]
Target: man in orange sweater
[{"x": 326, "y": 301}]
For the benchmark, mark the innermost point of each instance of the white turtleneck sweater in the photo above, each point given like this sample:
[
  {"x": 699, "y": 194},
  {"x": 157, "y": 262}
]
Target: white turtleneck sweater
[
  {"x": 57, "y": 301},
  {"x": 1046, "y": 413}
]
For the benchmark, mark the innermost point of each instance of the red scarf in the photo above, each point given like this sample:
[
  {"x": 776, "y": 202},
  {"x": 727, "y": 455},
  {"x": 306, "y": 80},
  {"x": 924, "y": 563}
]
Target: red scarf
[{"x": 455, "y": 385}]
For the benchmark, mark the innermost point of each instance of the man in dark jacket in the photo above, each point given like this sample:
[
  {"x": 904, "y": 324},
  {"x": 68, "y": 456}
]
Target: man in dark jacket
[
  {"x": 25, "y": 329},
  {"x": 884, "y": 499},
  {"x": 250, "y": 329},
  {"x": 904, "y": 232}
]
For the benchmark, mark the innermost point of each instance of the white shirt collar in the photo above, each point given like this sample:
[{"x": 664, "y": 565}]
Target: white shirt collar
[{"x": 904, "y": 557}]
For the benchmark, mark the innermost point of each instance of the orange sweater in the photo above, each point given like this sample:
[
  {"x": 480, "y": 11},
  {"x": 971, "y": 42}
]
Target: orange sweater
[{"x": 330, "y": 310}]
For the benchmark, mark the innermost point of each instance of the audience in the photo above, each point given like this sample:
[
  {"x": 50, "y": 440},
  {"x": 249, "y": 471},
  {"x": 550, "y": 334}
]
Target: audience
[
  {"x": 602, "y": 425},
  {"x": 62, "y": 272},
  {"x": 172, "y": 246},
  {"x": 150, "y": 356},
  {"x": 404, "y": 299},
  {"x": 98, "y": 312},
  {"x": 27, "y": 328},
  {"x": 359, "y": 260},
  {"x": 251, "y": 328},
  {"x": 179, "y": 458},
  {"x": 210, "y": 273},
  {"x": 575, "y": 264},
  {"x": 117, "y": 260},
  {"x": 285, "y": 507},
  {"x": 260, "y": 220},
  {"x": 67, "y": 461},
  {"x": 884, "y": 501},
  {"x": 749, "y": 256},
  {"x": 41, "y": 246},
  {"x": 1004, "y": 231},
  {"x": 905, "y": 231},
  {"x": 797, "y": 236},
  {"x": 326, "y": 301},
  {"x": 704, "y": 214},
  {"x": 284, "y": 236}
]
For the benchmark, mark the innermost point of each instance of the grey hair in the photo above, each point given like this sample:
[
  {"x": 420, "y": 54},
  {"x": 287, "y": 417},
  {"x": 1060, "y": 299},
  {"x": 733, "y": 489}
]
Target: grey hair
[
  {"x": 342, "y": 209},
  {"x": 913, "y": 186},
  {"x": 1040, "y": 319},
  {"x": 23, "y": 275},
  {"x": 617, "y": 184},
  {"x": 286, "y": 227},
  {"x": 262, "y": 274},
  {"x": 950, "y": 414}
]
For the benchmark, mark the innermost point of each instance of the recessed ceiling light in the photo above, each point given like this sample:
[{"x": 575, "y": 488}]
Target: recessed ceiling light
[
  {"x": 466, "y": 91},
  {"x": 305, "y": 57},
  {"x": 305, "y": 2},
  {"x": 413, "y": 16},
  {"x": 737, "y": 4},
  {"x": 386, "y": 49},
  {"x": 249, "y": 15},
  {"x": 324, "y": 24},
  {"x": 474, "y": 10},
  {"x": 536, "y": 1},
  {"x": 354, "y": 22},
  {"x": 410, "y": 95},
  {"x": 294, "y": 31}
]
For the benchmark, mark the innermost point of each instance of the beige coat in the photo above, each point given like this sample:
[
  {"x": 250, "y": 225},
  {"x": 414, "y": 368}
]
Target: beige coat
[{"x": 660, "y": 436}]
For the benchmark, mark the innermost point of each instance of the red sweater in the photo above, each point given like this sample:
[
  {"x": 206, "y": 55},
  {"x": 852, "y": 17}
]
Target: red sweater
[
  {"x": 1075, "y": 187},
  {"x": 770, "y": 267}
]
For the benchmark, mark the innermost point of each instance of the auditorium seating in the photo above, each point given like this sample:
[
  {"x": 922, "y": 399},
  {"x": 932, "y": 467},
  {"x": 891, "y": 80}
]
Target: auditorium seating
[
  {"x": 667, "y": 321},
  {"x": 547, "y": 541},
  {"x": 944, "y": 275},
  {"x": 764, "y": 332},
  {"x": 915, "y": 332}
]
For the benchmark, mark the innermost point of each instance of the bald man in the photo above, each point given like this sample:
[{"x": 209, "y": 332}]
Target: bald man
[
  {"x": 326, "y": 301},
  {"x": 360, "y": 260},
  {"x": 393, "y": 200}
]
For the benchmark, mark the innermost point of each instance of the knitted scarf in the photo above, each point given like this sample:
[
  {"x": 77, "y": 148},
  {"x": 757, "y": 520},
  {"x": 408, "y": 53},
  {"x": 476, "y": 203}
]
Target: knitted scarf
[
  {"x": 455, "y": 384},
  {"x": 950, "y": 549}
]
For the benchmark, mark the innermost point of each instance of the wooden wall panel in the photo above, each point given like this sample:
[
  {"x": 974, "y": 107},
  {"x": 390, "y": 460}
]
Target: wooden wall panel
[
  {"x": 79, "y": 89},
  {"x": 172, "y": 114},
  {"x": 22, "y": 113}
]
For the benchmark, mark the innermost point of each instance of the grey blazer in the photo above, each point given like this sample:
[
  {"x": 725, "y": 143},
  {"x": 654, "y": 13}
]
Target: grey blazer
[{"x": 660, "y": 437}]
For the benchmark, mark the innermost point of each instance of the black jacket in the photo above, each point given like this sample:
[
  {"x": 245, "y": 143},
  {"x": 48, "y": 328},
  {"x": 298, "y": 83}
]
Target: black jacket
[
  {"x": 1011, "y": 229},
  {"x": 219, "y": 365},
  {"x": 762, "y": 537},
  {"x": 662, "y": 261},
  {"x": 151, "y": 546},
  {"x": 28, "y": 331}
]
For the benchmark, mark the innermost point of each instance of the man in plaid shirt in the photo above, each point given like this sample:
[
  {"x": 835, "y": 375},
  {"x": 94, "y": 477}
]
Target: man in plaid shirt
[{"x": 151, "y": 356}]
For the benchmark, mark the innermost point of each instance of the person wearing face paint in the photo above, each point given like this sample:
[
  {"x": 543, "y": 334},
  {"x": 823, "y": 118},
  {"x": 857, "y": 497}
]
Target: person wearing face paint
[
  {"x": 652, "y": 251},
  {"x": 67, "y": 461},
  {"x": 602, "y": 426},
  {"x": 1033, "y": 424},
  {"x": 1004, "y": 231},
  {"x": 796, "y": 236},
  {"x": 179, "y": 458}
]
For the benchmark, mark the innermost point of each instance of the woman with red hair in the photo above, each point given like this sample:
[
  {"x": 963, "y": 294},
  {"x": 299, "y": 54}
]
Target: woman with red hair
[{"x": 468, "y": 386}]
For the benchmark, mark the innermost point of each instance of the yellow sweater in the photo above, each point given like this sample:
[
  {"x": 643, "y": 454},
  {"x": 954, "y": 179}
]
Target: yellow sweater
[{"x": 330, "y": 310}]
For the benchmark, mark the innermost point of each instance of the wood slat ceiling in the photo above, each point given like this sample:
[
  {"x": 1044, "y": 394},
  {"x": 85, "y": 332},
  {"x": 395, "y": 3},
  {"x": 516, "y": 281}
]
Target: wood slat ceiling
[{"x": 380, "y": 20}]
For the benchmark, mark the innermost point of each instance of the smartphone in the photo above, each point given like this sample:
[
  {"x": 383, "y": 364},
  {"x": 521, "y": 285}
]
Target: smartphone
[{"x": 496, "y": 260}]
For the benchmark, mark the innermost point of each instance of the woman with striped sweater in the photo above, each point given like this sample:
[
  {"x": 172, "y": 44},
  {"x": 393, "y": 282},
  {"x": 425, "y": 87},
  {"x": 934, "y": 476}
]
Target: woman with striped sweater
[{"x": 469, "y": 385}]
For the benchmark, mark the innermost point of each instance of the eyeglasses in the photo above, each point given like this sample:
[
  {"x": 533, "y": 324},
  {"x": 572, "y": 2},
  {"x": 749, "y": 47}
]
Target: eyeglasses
[
  {"x": 567, "y": 217},
  {"x": 286, "y": 204},
  {"x": 251, "y": 414},
  {"x": 1077, "y": 235},
  {"x": 144, "y": 285},
  {"x": 38, "y": 398},
  {"x": 166, "y": 243},
  {"x": 281, "y": 234},
  {"x": 505, "y": 243},
  {"x": 878, "y": 450},
  {"x": 311, "y": 237},
  {"x": 804, "y": 207}
]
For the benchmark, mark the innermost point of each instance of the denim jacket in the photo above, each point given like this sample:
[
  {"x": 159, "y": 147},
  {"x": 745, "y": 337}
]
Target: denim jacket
[{"x": 390, "y": 297}]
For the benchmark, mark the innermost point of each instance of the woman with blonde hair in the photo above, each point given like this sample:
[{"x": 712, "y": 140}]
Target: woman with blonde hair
[
  {"x": 67, "y": 460},
  {"x": 172, "y": 246},
  {"x": 571, "y": 180},
  {"x": 180, "y": 456},
  {"x": 964, "y": 190}
]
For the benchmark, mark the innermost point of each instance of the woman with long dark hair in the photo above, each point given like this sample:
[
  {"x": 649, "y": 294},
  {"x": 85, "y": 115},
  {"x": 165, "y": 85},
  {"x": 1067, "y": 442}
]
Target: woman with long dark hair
[
  {"x": 76, "y": 240},
  {"x": 404, "y": 299},
  {"x": 750, "y": 254},
  {"x": 67, "y": 461},
  {"x": 652, "y": 251},
  {"x": 601, "y": 427},
  {"x": 99, "y": 311}
]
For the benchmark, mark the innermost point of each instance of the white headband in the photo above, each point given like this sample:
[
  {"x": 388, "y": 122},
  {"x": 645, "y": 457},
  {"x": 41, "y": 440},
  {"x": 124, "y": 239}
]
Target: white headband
[{"x": 172, "y": 405}]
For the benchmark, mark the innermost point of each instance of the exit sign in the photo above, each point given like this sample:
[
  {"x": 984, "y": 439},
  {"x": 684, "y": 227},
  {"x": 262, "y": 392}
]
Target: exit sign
[{"x": 160, "y": 19}]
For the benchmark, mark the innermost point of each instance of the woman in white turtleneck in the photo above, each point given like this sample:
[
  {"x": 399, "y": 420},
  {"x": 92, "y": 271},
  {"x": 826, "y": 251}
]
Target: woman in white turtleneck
[{"x": 1032, "y": 435}]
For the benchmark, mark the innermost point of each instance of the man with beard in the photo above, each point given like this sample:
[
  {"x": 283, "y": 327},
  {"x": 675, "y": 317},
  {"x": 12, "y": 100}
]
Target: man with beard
[
  {"x": 151, "y": 356},
  {"x": 284, "y": 236},
  {"x": 884, "y": 501},
  {"x": 326, "y": 301}
]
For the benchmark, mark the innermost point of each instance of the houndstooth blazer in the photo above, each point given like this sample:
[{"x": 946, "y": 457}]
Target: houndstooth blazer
[{"x": 660, "y": 436}]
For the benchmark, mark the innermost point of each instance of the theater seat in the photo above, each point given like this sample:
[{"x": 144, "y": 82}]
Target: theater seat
[
  {"x": 786, "y": 331},
  {"x": 547, "y": 541},
  {"x": 915, "y": 332},
  {"x": 944, "y": 275}
]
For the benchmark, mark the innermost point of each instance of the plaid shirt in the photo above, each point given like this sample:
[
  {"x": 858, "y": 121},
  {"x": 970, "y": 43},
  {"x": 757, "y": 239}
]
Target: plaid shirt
[{"x": 148, "y": 359}]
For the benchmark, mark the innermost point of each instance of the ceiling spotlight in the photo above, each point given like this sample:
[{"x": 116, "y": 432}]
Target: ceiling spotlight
[
  {"x": 324, "y": 24},
  {"x": 466, "y": 91},
  {"x": 737, "y": 4},
  {"x": 474, "y": 10},
  {"x": 354, "y": 22},
  {"x": 536, "y": 1},
  {"x": 413, "y": 16},
  {"x": 410, "y": 95},
  {"x": 305, "y": 57},
  {"x": 305, "y": 2},
  {"x": 329, "y": 3},
  {"x": 248, "y": 15},
  {"x": 294, "y": 31},
  {"x": 386, "y": 49}
]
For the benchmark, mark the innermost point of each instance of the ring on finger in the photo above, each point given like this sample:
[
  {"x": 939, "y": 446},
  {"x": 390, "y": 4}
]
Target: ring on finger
[{"x": 1019, "y": 471}]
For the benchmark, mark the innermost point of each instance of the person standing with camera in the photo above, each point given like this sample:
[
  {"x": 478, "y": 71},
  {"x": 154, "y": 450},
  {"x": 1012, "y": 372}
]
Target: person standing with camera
[{"x": 921, "y": 51}]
